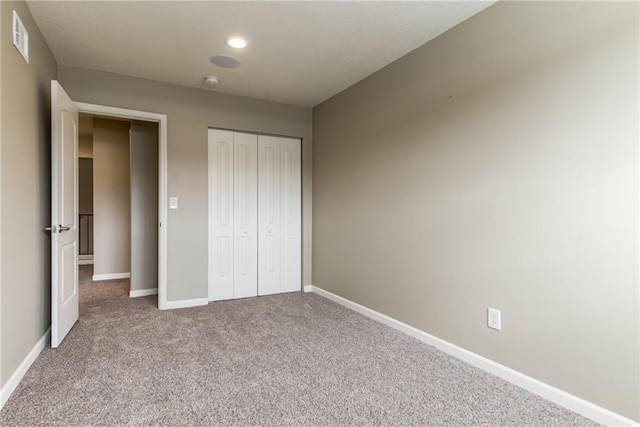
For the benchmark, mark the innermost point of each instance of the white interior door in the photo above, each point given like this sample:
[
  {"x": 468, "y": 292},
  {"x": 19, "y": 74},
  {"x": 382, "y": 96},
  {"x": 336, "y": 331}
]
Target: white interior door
[
  {"x": 290, "y": 215},
  {"x": 268, "y": 215},
  {"x": 64, "y": 214},
  {"x": 221, "y": 233},
  {"x": 245, "y": 179}
]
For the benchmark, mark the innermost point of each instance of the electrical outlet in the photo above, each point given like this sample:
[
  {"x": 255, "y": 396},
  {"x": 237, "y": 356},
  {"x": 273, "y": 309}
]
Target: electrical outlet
[{"x": 493, "y": 318}]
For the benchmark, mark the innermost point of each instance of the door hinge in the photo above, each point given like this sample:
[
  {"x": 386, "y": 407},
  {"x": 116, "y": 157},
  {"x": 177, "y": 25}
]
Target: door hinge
[{"x": 53, "y": 229}]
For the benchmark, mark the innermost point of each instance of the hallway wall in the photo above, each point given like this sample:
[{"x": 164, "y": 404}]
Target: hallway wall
[
  {"x": 144, "y": 205},
  {"x": 111, "y": 198}
]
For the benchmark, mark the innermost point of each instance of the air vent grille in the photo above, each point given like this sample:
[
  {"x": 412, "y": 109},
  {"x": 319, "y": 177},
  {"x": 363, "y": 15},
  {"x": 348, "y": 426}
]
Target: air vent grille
[{"x": 20, "y": 37}]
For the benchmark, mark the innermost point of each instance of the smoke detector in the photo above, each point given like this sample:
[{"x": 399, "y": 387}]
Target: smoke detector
[{"x": 211, "y": 80}]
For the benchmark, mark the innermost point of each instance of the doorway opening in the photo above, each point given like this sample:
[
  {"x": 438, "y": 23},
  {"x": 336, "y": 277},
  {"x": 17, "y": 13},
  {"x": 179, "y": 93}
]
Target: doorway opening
[
  {"x": 140, "y": 212},
  {"x": 117, "y": 207}
]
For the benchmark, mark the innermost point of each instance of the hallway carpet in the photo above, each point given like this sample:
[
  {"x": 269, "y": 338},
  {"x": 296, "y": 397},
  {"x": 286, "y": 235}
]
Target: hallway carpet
[
  {"x": 94, "y": 292},
  {"x": 293, "y": 359}
]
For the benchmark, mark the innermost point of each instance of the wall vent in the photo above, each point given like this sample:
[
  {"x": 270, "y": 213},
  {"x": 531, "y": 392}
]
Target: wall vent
[{"x": 20, "y": 37}]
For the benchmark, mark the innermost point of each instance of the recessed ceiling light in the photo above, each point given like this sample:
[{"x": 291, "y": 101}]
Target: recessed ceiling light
[
  {"x": 236, "y": 42},
  {"x": 225, "y": 61}
]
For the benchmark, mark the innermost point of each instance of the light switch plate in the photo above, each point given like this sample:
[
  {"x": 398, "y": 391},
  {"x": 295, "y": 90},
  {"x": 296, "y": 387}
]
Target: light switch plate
[{"x": 173, "y": 203}]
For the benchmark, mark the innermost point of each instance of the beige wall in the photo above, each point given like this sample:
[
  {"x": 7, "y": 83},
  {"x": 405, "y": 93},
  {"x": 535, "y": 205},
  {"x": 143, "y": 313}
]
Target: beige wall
[
  {"x": 497, "y": 166},
  {"x": 144, "y": 205},
  {"x": 190, "y": 112},
  {"x": 2, "y": 12},
  {"x": 85, "y": 186},
  {"x": 25, "y": 179},
  {"x": 85, "y": 146},
  {"x": 85, "y": 207},
  {"x": 111, "y": 197}
]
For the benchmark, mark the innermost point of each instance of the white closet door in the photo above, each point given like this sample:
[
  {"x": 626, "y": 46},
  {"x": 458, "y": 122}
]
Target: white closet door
[
  {"x": 269, "y": 215},
  {"x": 254, "y": 215},
  {"x": 221, "y": 233},
  {"x": 290, "y": 214},
  {"x": 245, "y": 215}
]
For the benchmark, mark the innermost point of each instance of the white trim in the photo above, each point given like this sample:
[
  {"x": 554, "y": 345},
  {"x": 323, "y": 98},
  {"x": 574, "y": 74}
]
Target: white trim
[
  {"x": 143, "y": 292},
  {"x": 161, "y": 119},
  {"x": 111, "y": 276},
  {"x": 85, "y": 261},
  {"x": 308, "y": 288},
  {"x": 19, "y": 373},
  {"x": 186, "y": 303},
  {"x": 562, "y": 398},
  {"x": 162, "y": 216}
]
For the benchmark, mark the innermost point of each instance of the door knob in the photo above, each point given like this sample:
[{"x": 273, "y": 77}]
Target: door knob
[{"x": 57, "y": 228}]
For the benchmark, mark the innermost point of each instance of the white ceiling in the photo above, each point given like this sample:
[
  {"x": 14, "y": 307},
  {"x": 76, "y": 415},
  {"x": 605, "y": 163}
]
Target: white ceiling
[{"x": 299, "y": 53}]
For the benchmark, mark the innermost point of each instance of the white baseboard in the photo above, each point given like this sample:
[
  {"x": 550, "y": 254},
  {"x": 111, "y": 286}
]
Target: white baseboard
[
  {"x": 308, "y": 288},
  {"x": 85, "y": 261},
  {"x": 111, "y": 276},
  {"x": 185, "y": 303},
  {"x": 143, "y": 292},
  {"x": 562, "y": 398},
  {"x": 17, "y": 376}
]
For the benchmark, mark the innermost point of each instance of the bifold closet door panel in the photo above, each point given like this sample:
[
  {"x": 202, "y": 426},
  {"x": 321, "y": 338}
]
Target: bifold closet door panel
[
  {"x": 245, "y": 257},
  {"x": 268, "y": 215},
  {"x": 221, "y": 230},
  {"x": 290, "y": 215}
]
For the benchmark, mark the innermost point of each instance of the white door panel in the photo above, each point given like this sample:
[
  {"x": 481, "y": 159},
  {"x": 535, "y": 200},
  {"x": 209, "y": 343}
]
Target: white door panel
[
  {"x": 245, "y": 215},
  {"x": 268, "y": 215},
  {"x": 290, "y": 211},
  {"x": 67, "y": 272},
  {"x": 64, "y": 214},
  {"x": 221, "y": 200}
]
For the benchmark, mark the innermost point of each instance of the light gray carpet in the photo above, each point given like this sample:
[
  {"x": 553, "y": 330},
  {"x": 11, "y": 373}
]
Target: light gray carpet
[
  {"x": 94, "y": 292},
  {"x": 293, "y": 359}
]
